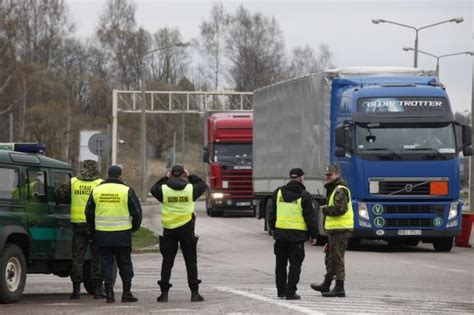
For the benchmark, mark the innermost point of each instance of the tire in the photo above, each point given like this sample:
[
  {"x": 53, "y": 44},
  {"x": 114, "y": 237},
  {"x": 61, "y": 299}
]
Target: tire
[
  {"x": 354, "y": 244},
  {"x": 12, "y": 274},
  {"x": 268, "y": 207},
  {"x": 215, "y": 213},
  {"x": 443, "y": 244},
  {"x": 89, "y": 285}
]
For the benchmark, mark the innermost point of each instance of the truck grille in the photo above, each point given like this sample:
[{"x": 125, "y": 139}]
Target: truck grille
[
  {"x": 397, "y": 209},
  {"x": 240, "y": 185},
  {"x": 409, "y": 222},
  {"x": 404, "y": 188}
]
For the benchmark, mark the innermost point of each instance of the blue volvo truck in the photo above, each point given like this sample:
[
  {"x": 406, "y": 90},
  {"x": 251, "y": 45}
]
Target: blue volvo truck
[{"x": 391, "y": 131}]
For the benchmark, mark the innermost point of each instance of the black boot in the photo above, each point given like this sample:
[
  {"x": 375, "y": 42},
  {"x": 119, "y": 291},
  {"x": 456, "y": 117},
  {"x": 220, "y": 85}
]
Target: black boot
[
  {"x": 99, "y": 290},
  {"x": 337, "y": 291},
  {"x": 196, "y": 297},
  {"x": 127, "y": 295},
  {"x": 322, "y": 287},
  {"x": 165, "y": 287},
  {"x": 109, "y": 293},
  {"x": 76, "y": 290},
  {"x": 292, "y": 296},
  {"x": 163, "y": 298}
]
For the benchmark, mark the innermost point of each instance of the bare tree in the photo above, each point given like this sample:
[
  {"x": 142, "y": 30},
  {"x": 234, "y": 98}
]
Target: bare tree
[
  {"x": 213, "y": 32},
  {"x": 256, "y": 51},
  {"x": 305, "y": 60}
]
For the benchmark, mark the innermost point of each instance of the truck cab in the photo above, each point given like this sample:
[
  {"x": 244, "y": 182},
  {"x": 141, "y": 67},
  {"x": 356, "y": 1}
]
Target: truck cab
[
  {"x": 397, "y": 144},
  {"x": 228, "y": 158}
]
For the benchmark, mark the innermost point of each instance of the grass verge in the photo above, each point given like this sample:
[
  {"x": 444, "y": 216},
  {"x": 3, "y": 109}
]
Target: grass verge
[{"x": 145, "y": 241}]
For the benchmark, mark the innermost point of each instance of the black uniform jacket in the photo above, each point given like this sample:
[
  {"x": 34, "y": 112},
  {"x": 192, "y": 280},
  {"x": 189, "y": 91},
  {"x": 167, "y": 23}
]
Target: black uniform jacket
[
  {"x": 290, "y": 192},
  {"x": 115, "y": 238},
  {"x": 199, "y": 187}
]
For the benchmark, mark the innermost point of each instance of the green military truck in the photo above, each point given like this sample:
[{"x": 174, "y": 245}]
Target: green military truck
[{"x": 35, "y": 228}]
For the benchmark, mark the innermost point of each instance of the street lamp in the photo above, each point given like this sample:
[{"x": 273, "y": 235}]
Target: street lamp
[
  {"x": 417, "y": 29},
  {"x": 143, "y": 167},
  {"x": 439, "y": 57}
]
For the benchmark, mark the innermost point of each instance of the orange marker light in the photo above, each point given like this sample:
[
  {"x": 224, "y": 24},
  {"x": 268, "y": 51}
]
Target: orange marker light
[{"x": 438, "y": 188}]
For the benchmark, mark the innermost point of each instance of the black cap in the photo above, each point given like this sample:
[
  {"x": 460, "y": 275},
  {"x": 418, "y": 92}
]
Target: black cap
[
  {"x": 296, "y": 172},
  {"x": 115, "y": 171},
  {"x": 177, "y": 170},
  {"x": 332, "y": 169}
]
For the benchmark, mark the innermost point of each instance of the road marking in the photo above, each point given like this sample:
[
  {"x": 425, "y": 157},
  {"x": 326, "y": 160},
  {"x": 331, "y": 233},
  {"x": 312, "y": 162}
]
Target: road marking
[
  {"x": 268, "y": 300},
  {"x": 456, "y": 270},
  {"x": 176, "y": 310},
  {"x": 430, "y": 266},
  {"x": 63, "y": 304}
]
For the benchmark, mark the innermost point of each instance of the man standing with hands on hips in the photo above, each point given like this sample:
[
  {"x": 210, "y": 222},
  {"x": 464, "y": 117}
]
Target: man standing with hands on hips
[{"x": 177, "y": 192}]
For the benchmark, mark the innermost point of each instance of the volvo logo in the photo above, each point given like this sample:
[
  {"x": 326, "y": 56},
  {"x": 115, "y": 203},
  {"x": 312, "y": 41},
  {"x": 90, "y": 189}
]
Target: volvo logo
[{"x": 408, "y": 187}]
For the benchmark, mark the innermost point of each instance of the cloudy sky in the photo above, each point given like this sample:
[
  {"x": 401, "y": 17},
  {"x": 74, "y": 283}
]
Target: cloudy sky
[{"x": 344, "y": 25}]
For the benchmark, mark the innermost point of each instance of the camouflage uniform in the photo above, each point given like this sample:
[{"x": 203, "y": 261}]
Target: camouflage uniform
[{"x": 82, "y": 234}]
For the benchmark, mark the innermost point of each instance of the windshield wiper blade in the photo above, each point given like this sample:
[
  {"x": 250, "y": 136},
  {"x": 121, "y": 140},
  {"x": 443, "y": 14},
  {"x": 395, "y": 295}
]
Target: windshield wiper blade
[
  {"x": 428, "y": 149},
  {"x": 385, "y": 149}
]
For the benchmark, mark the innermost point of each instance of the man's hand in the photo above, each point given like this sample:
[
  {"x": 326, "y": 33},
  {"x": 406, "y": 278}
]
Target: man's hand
[
  {"x": 168, "y": 174},
  {"x": 186, "y": 173}
]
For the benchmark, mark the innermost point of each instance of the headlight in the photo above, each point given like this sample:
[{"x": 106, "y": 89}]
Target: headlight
[
  {"x": 452, "y": 223},
  {"x": 217, "y": 195},
  {"x": 225, "y": 184},
  {"x": 363, "y": 212},
  {"x": 453, "y": 210}
]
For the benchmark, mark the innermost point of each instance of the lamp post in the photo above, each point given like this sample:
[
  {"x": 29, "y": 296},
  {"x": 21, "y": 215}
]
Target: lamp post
[
  {"x": 143, "y": 163},
  {"x": 439, "y": 57},
  {"x": 417, "y": 29}
]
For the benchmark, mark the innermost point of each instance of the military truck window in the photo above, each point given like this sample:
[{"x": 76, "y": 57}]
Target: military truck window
[
  {"x": 9, "y": 184},
  {"x": 37, "y": 186},
  {"x": 62, "y": 190}
]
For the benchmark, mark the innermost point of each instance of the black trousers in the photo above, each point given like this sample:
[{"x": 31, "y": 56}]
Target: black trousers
[
  {"x": 294, "y": 253},
  {"x": 169, "y": 247},
  {"x": 123, "y": 258}
]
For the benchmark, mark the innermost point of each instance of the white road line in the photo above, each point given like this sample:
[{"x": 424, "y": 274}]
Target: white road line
[
  {"x": 268, "y": 300},
  {"x": 457, "y": 270},
  {"x": 430, "y": 266}
]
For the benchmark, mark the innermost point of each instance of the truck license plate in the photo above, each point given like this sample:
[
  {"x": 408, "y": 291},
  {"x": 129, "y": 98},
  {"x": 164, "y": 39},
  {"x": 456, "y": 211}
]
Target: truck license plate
[
  {"x": 241, "y": 204},
  {"x": 409, "y": 232}
]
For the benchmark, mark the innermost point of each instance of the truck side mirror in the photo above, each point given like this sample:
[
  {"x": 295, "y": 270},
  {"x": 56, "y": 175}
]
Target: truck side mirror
[
  {"x": 467, "y": 150},
  {"x": 340, "y": 152},
  {"x": 205, "y": 154},
  {"x": 340, "y": 136},
  {"x": 466, "y": 135}
]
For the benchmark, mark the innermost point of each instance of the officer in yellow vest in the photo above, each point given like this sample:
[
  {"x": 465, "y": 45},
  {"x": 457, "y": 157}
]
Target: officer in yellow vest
[
  {"x": 339, "y": 224},
  {"x": 292, "y": 219},
  {"x": 77, "y": 192},
  {"x": 113, "y": 211},
  {"x": 177, "y": 192}
]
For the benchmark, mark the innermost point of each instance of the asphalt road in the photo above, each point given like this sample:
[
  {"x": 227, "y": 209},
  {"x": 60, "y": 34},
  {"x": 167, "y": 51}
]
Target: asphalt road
[{"x": 236, "y": 265}]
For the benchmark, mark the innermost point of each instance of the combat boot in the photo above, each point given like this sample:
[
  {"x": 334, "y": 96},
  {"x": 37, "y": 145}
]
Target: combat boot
[
  {"x": 196, "y": 297},
  {"x": 337, "y": 291},
  {"x": 76, "y": 290},
  {"x": 127, "y": 295},
  {"x": 322, "y": 287},
  {"x": 109, "y": 293},
  {"x": 99, "y": 291},
  {"x": 163, "y": 298},
  {"x": 293, "y": 296},
  {"x": 164, "y": 286}
]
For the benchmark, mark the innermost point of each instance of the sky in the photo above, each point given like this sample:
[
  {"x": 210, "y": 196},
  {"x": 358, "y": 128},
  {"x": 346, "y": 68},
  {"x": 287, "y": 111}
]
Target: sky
[{"x": 344, "y": 25}]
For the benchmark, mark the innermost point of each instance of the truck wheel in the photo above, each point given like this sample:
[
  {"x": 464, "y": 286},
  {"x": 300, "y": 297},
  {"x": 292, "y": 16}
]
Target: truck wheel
[
  {"x": 268, "y": 208},
  {"x": 216, "y": 213},
  {"x": 12, "y": 274},
  {"x": 87, "y": 276},
  {"x": 443, "y": 244},
  {"x": 354, "y": 244}
]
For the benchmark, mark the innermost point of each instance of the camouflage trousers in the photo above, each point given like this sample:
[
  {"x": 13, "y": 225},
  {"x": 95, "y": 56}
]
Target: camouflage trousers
[
  {"x": 334, "y": 258},
  {"x": 80, "y": 241}
]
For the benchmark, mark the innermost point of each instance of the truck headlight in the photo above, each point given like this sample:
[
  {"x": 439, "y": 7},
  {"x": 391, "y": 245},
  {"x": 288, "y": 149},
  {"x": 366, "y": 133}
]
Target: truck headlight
[
  {"x": 363, "y": 212},
  {"x": 225, "y": 184},
  {"x": 453, "y": 210},
  {"x": 452, "y": 223},
  {"x": 217, "y": 195}
]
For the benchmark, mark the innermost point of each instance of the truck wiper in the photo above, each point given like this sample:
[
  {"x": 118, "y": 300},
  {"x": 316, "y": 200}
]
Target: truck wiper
[
  {"x": 427, "y": 149},
  {"x": 385, "y": 149}
]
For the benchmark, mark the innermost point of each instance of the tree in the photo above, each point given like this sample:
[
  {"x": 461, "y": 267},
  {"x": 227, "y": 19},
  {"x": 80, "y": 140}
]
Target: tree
[
  {"x": 213, "y": 33},
  {"x": 305, "y": 60},
  {"x": 256, "y": 51}
]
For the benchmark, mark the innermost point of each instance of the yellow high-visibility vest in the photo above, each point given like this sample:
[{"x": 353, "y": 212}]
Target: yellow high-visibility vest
[
  {"x": 289, "y": 214},
  {"x": 178, "y": 206},
  {"x": 345, "y": 221},
  {"x": 111, "y": 207},
  {"x": 80, "y": 192}
]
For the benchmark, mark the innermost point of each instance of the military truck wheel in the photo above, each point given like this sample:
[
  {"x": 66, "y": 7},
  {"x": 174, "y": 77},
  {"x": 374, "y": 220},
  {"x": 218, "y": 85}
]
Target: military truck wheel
[
  {"x": 87, "y": 276},
  {"x": 443, "y": 244},
  {"x": 268, "y": 208},
  {"x": 12, "y": 274}
]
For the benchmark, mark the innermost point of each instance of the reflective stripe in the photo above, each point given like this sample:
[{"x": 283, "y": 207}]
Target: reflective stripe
[
  {"x": 345, "y": 221},
  {"x": 289, "y": 214},
  {"x": 178, "y": 206},
  {"x": 80, "y": 192},
  {"x": 111, "y": 211}
]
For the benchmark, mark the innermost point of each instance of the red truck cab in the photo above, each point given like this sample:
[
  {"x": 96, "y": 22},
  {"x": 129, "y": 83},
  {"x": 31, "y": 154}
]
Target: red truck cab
[{"x": 228, "y": 158}]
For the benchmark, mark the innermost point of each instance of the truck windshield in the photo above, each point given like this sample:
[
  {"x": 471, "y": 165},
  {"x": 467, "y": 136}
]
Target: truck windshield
[
  {"x": 428, "y": 141},
  {"x": 232, "y": 152}
]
